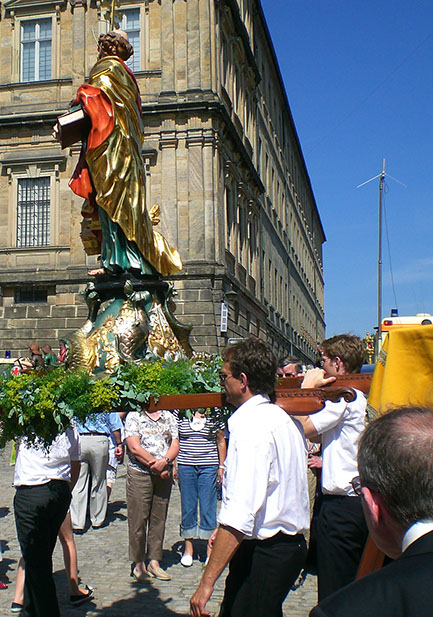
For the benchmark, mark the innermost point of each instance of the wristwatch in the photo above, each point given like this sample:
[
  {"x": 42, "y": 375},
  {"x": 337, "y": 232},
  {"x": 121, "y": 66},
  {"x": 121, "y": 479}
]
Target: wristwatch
[{"x": 168, "y": 460}]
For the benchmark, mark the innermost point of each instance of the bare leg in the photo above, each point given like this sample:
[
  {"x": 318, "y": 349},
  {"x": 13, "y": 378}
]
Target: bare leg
[
  {"x": 188, "y": 548},
  {"x": 66, "y": 538},
  {"x": 188, "y": 553},
  {"x": 140, "y": 568},
  {"x": 19, "y": 585}
]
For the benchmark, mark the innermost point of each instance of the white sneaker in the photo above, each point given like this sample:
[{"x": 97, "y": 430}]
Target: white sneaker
[{"x": 186, "y": 560}]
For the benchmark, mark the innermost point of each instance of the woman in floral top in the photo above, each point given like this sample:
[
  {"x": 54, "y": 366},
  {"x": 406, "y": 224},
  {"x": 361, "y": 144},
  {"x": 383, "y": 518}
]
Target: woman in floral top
[{"x": 153, "y": 444}]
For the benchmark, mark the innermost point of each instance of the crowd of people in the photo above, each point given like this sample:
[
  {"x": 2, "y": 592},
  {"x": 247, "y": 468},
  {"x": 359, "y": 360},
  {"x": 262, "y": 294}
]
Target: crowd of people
[{"x": 261, "y": 459}]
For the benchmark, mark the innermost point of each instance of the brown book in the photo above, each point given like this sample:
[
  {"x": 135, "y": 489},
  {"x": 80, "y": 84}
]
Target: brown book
[{"x": 72, "y": 127}]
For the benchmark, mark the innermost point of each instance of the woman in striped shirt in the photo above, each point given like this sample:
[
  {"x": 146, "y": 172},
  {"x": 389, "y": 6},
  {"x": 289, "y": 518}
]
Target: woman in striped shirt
[{"x": 200, "y": 464}]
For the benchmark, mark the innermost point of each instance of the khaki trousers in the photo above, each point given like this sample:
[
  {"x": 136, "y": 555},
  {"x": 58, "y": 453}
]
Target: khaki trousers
[
  {"x": 312, "y": 485},
  {"x": 93, "y": 468},
  {"x": 147, "y": 498}
]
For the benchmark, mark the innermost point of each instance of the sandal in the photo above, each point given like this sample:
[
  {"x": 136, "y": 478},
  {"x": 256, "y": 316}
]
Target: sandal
[{"x": 82, "y": 597}]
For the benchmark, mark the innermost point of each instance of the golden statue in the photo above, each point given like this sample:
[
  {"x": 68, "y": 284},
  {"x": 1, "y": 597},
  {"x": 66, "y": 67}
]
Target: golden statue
[
  {"x": 110, "y": 176},
  {"x": 110, "y": 173}
]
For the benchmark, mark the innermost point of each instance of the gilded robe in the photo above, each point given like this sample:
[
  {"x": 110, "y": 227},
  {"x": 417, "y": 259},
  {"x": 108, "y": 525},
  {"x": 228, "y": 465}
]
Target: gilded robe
[{"x": 110, "y": 176}]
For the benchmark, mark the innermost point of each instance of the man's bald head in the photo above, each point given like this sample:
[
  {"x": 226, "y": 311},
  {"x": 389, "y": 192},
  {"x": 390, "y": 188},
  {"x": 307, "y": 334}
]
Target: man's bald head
[{"x": 395, "y": 459}]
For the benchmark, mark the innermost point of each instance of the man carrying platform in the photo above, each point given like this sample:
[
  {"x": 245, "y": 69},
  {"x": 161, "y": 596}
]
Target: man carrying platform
[
  {"x": 341, "y": 528},
  {"x": 265, "y": 502}
]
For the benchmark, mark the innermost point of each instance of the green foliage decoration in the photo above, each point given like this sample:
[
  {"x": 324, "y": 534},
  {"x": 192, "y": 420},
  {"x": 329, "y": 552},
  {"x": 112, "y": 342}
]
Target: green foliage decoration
[
  {"x": 138, "y": 382},
  {"x": 41, "y": 404}
]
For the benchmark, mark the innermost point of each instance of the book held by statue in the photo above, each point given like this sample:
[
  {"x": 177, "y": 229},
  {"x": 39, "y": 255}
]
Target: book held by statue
[{"x": 72, "y": 127}]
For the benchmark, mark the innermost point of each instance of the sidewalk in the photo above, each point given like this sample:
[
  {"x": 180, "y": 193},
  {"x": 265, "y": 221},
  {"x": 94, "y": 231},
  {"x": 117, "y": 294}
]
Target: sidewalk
[{"x": 104, "y": 565}]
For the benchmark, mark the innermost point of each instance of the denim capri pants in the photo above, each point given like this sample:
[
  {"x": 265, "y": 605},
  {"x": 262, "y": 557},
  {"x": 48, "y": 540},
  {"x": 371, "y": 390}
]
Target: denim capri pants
[{"x": 198, "y": 484}]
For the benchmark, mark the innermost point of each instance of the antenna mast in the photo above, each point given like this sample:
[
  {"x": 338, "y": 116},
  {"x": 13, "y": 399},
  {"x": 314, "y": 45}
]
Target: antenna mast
[
  {"x": 379, "y": 262},
  {"x": 381, "y": 177}
]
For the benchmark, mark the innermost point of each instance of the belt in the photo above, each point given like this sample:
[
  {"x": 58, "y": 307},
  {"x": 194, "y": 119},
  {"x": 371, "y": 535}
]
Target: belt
[
  {"x": 329, "y": 497},
  {"x": 53, "y": 481},
  {"x": 95, "y": 433}
]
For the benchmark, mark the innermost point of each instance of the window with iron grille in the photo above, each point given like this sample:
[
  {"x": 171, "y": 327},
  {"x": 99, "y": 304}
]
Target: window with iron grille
[
  {"x": 33, "y": 216},
  {"x": 36, "y": 39},
  {"x": 31, "y": 295},
  {"x": 131, "y": 25}
]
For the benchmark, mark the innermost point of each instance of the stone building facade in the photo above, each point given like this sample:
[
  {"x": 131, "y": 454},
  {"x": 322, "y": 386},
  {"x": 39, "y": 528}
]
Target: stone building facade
[{"x": 223, "y": 161}]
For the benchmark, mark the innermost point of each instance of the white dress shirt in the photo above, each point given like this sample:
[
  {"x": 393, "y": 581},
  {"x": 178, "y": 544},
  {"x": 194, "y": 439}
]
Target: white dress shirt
[
  {"x": 340, "y": 425},
  {"x": 37, "y": 465},
  {"x": 265, "y": 480},
  {"x": 415, "y": 531}
]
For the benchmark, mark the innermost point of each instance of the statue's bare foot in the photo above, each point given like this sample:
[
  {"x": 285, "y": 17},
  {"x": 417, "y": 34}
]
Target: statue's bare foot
[{"x": 97, "y": 272}]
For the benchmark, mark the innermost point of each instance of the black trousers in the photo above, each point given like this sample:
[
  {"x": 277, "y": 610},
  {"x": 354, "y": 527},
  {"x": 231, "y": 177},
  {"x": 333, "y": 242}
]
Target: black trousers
[
  {"x": 261, "y": 574},
  {"x": 341, "y": 536},
  {"x": 39, "y": 512}
]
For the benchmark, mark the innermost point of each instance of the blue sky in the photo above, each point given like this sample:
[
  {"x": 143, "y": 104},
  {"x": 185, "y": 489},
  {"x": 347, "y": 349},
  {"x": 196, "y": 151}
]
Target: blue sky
[{"x": 358, "y": 75}]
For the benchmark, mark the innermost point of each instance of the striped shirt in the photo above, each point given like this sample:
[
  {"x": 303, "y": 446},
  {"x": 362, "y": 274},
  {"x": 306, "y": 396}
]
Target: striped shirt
[{"x": 197, "y": 447}]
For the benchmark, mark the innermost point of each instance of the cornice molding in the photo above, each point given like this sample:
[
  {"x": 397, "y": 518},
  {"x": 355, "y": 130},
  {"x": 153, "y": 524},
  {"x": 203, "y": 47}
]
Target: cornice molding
[
  {"x": 12, "y": 7},
  {"x": 38, "y": 156}
]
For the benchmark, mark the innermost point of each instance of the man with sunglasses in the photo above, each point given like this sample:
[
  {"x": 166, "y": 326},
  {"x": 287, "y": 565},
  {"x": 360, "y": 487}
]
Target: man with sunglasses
[
  {"x": 341, "y": 528},
  {"x": 265, "y": 501},
  {"x": 396, "y": 486},
  {"x": 289, "y": 367}
]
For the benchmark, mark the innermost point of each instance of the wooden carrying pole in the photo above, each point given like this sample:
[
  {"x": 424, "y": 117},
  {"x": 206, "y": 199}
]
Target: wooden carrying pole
[
  {"x": 371, "y": 560},
  {"x": 290, "y": 396}
]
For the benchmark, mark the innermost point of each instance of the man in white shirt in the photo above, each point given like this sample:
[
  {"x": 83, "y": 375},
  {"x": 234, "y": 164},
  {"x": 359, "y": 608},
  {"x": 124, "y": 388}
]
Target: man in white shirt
[
  {"x": 265, "y": 499},
  {"x": 42, "y": 479},
  {"x": 341, "y": 528},
  {"x": 396, "y": 486}
]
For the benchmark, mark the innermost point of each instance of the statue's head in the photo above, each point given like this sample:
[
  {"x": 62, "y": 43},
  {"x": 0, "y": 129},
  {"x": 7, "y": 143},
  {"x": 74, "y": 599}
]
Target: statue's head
[
  {"x": 34, "y": 348},
  {"x": 115, "y": 43}
]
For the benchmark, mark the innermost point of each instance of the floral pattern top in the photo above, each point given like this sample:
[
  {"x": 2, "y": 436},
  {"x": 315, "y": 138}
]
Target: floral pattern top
[{"x": 155, "y": 435}]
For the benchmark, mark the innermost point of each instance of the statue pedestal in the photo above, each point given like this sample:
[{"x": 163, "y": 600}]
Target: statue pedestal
[{"x": 130, "y": 319}]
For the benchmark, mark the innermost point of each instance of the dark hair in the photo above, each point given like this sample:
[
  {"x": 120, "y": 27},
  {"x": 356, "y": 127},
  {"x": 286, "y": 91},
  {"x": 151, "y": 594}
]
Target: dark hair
[
  {"x": 347, "y": 347},
  {"x": 254, "y": 358},
  {"x": 114, "y": 44},
  {"x": 282, "y": 362},
  {"x": 395, "y": 458}
]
